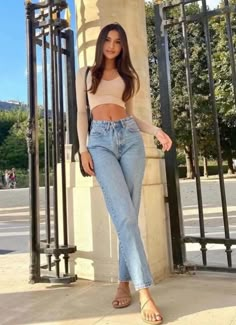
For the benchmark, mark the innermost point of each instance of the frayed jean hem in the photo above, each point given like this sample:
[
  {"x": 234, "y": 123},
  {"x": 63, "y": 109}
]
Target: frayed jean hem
[{"x": 143, "y": 286}]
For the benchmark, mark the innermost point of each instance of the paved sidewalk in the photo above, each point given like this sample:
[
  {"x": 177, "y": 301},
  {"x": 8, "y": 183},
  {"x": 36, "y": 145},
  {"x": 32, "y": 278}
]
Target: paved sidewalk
[{"x": 201, "y": 299}]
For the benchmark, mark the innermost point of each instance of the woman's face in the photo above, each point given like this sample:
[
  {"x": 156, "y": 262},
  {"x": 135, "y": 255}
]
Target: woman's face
[{"x": 112, "y": 45}]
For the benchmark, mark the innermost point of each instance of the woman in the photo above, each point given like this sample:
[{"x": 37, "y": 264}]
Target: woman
[{"x": 115, "y": 155}]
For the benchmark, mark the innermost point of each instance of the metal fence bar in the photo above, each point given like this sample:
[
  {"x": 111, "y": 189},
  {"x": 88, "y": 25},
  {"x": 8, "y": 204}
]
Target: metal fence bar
[
  {"x": 198, "y": 17},
  {"x": 71, "y": 97},
  {"x": 50, "y": 25},
  {"x": 56, "y": 111},
  {"x": 231, "y": 47},
  {"x": 194, "y": 133},
  {"x": 32, "y": 137},
  {"x": 209, "y": 240},
  {"x": 175, "y": 211},
  {"x": 216, "y": 268},
  {"x": 165, "y": 98},
  {"x": 54, "y": 146},
  {"x": 62, "y": 147},
  {"x": 217, "y": 133},
  {"x": 46, "y": 147}
]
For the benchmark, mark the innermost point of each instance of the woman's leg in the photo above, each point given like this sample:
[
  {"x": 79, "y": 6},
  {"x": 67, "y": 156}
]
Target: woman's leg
[
  {"x": 120, "y": 206},
  {"x": 133, "y": 171},
  {"x": 133, "y": 177},
  {"x": 117, "y": 190}
]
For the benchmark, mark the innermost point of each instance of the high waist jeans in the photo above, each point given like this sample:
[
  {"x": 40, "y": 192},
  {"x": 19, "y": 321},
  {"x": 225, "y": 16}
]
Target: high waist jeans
[{"x": 118, "y": 155}]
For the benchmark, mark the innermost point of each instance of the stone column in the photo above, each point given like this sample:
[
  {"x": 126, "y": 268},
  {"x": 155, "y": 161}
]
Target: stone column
[{"x": 91, "y": 228}]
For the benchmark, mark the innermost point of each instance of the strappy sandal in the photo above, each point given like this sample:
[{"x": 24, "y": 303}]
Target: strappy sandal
[
  {"x": 121, "y": 294},
  {"x": 152, "y": 322}
]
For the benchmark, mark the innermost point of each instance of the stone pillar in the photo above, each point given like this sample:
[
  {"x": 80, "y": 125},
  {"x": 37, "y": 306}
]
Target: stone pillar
[{"x": 91, "y": 229}]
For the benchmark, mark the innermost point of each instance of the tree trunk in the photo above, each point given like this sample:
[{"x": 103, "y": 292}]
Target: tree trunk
[
  {"x": 189, "y": 162},
  {"x": 230, "y": 163},
  {"x": 205, "y": 167}
]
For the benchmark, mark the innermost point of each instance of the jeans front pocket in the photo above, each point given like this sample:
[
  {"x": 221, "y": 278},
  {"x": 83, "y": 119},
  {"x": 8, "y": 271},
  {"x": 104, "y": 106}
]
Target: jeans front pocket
[
  {"x": 132, "y": 127},
  {"x": 97, "y": 131}
]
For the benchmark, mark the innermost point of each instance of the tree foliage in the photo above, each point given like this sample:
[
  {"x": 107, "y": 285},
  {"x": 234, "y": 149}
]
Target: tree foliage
[
  {"x": 201, "y": 102},
  {"x": 224, "y": 90},
  {"x": 13, "y": 145},
  {"x": 8, "y": 119}
]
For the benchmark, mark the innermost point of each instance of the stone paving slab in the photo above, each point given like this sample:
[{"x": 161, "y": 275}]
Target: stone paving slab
[{"x": 200, "y": 299}]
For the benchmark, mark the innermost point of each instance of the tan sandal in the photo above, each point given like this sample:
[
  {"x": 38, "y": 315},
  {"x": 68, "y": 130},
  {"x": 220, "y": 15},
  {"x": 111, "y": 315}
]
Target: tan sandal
[
  {"x": 152, "y": 322},
  {"x": 121, "y": 294}
]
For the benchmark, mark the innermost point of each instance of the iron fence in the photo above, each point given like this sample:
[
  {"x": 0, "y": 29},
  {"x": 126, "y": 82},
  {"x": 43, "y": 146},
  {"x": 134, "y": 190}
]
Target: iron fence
[
  {"x": 164, "y": 20},
  {"x": 50, "y": 45}
]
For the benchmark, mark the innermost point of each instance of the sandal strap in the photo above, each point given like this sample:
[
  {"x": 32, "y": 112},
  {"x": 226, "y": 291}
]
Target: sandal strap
[
  {"x": 157, "y": 314},
  {"x": 125, "y": 292},
  {"x": 149, "y": 299}
]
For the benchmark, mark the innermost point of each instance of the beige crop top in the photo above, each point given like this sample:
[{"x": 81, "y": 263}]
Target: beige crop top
[{"x": 108, "y": 92}]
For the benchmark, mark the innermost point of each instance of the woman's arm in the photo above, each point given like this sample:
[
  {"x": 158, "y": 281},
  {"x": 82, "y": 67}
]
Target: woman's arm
[
  {"x": 82, "y": 122},
  {"x": 149, "y": 128},
  {"x": 144, "y": 126},
  {"x": 82, "y": 119}
]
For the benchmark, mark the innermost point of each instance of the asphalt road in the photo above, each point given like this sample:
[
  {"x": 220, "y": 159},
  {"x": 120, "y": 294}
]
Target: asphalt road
[
  {"x": 14, "y": 218},
  {"x": 15, "y": 221}
]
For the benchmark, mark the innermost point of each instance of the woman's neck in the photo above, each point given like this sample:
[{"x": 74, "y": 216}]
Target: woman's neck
[{"x": 110, "y": 65}]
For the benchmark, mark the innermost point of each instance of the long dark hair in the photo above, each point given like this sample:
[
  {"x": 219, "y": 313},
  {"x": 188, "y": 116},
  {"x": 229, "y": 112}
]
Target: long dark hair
[{"x": 123, "y": 63}]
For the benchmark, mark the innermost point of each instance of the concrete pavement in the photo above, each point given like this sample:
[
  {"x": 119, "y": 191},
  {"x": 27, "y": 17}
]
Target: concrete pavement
[
  {"x": 200, "y": 299},
  {"x": 14, "y": 219}
]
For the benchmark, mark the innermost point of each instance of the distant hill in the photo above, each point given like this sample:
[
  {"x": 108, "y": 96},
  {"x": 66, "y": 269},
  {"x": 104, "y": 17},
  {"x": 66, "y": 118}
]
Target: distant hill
[{"x": 11, "y": 104}]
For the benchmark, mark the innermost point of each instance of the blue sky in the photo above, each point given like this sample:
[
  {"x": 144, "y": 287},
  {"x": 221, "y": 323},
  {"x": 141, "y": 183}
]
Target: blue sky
[{"x": 13, "y": 80}]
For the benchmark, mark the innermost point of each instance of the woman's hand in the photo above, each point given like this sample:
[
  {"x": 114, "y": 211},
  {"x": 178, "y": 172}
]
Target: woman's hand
[
  {"x": 87, "y": 163},
  {"x": 164, "y": 140}
]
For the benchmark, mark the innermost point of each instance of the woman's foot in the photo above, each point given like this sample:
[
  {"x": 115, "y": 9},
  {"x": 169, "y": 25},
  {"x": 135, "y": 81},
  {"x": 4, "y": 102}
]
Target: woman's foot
[
  {"x": 149, "y": 311},
  {"x": 123, "y": 296}
]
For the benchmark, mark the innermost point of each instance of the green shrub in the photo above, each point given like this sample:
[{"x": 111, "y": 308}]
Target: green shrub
[{"x": 212, "y": 170}]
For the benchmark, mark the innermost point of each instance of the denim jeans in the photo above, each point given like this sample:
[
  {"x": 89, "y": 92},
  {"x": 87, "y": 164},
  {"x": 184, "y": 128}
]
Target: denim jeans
[{"x": 118, "y": 155}]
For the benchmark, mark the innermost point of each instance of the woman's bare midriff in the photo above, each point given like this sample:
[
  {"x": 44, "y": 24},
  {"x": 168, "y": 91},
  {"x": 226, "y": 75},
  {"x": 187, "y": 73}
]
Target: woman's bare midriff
[{"x": 108, "y": 112}]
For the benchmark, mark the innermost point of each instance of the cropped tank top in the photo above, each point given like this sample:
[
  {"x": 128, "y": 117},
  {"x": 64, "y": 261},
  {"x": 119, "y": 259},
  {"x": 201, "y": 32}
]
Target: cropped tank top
[{"x": 108, "y": 92}]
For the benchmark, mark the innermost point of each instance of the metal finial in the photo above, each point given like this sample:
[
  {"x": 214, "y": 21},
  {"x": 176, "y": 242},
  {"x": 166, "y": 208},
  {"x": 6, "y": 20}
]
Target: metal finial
[
  {"x": 54, "y": 16},
  {"x": 42, "y": 10},
  {"x": 67, "y": 16}
]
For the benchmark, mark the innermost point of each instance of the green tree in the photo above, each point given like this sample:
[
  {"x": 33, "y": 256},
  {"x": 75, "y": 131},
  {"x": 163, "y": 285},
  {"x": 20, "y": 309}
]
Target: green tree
[
  {"x": 13, "y": 150},
  {"x": 179, "y": 93},
  {"x": 202, "y": 106},
  {"x": 225, "y": 97},
  {"x": 153, "y": 63},
  {"x": 8, "y": 119}
]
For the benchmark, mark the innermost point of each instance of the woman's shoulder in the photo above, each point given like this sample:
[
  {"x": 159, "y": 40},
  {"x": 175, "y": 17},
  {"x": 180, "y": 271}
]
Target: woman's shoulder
[{"x": 82, "y": 71}]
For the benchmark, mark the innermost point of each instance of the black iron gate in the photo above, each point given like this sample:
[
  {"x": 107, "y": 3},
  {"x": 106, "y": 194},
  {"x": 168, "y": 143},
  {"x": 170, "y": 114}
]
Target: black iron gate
[
  {"x": 167, "y": 15},
  {"x": 50, "y": 48}
]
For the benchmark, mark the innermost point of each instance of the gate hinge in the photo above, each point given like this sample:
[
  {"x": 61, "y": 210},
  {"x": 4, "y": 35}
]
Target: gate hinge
[
  {"x": 166, "y": 199},
  {"x": 187, "y": 268}
]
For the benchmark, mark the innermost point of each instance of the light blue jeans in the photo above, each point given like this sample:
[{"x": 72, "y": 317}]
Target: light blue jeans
[{"x": 118, "y": 155}]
